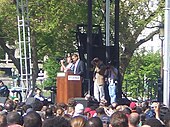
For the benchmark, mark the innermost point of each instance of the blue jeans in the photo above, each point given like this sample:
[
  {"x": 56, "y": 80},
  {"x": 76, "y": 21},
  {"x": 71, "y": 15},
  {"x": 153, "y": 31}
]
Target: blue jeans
[{"x": 112, "y": 92}]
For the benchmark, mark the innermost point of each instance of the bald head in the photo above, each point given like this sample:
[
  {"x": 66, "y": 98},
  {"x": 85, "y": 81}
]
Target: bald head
[{"x": 134, "y": 119}]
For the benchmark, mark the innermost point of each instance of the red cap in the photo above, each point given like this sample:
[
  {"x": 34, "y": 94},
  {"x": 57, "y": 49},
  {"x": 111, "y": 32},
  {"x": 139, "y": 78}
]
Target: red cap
[
  {"x": 86, "y": 110},
  {"x": 132, "y": 105}
]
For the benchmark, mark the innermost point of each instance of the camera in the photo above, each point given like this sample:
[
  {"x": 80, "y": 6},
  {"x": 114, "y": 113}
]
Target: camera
[{"x": 59, "y": 59}]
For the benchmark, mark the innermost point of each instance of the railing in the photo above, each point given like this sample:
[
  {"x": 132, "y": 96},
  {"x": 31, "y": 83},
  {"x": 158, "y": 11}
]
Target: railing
[{"x": 144, "y": 90}]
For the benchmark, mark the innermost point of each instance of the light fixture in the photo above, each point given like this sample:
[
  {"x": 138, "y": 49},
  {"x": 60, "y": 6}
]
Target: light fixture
[{"x": 161, "y": 31}]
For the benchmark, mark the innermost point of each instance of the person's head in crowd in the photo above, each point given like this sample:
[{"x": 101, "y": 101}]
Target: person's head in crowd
[
  {"x": 150, "y": 114},
  {"x": 153, "y": 122},
  {"x": 134, "y": 119},
  {"x": 105, "y": 120},
  {"x": 16, "y": 102},
  {"x": 3, "y": 121},
  {"x": 139, "y": 110},
  {"x": 127, "y": 111},
  {"x": 59, "y": 111},
  {"x": 90, "y": 111},
  {"x": 25, "y": 107},
  {"x": 62, "y": 105},
  {"x": 70, "y": 110},
  {"x": 119, "y": 119},
  {"x": 48, "y": 123},
  {"x": 56, "y": 122},
  {"x": 120, "y": 107},
  {"x": 103, "y": 102},
  {"x": 142, "y": 118},
  {"x": 37, "y": 105},
  {"x": 9, "y": 105},
  {"x": 75, "y": 57},
  {"x": 100, "y": 111},
  {"x": 87, "y": 112},
  {"x": 53, "y": 107},
  {"x": 32, "y": 119},
  {"x": 109, "y": 110},
  {"x": 78, "y": 121},
  {"x": 166, "y": 119},
  {"x": 48, "y": 113},
  {"x": 44, "y": 108},
  {"x": 94, "y": 122},
  {"x": 20, "y": 105},
  {"x": 71, "y": 102},
  {"x": 162, "y": 111},
  {"x": 38, "y": 91},
  {"x": 133, "y": 106},
  {"x": 14, "y": 118},
  {"x": 79, "y": 109},
  {"x": 60, "y": 122},
  {"x": 145, "y": 105}
]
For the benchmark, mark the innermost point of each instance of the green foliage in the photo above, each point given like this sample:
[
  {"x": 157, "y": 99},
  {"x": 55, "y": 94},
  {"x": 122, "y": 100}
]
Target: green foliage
[
  {"x": 142, "y": 72},
  {"x": 53, "y": 25},
  {"x": 52, "y": 67},
  {"x": 8, "y": 24}
]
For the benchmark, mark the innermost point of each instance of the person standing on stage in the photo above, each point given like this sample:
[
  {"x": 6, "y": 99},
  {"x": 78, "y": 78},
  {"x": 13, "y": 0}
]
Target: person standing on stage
[
  {"x": 4, "y": 92},
  {"x": 99, "y": 78},
  {"x": 112, "y": 76},
  {"x": 79, "y": 69},
  {"x": 69, "y": 66},
  {"x": 79, "y": 66}
]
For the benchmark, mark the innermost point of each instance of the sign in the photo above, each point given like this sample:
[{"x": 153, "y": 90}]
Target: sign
[
  {"x": 73, "y": 77},
  {"x": 61, "y": 74}
]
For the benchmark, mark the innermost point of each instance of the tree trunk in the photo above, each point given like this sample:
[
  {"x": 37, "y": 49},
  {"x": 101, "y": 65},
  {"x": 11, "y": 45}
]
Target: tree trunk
[
  {"x": 35, "y": 69},
  {"x": 10, "y": 54}
]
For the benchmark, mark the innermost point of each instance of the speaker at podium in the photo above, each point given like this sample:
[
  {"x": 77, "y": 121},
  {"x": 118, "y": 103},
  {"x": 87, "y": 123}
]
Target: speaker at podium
[{"x": 68, "y": 86}]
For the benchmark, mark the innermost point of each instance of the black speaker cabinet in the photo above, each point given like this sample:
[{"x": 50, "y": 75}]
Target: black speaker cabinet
[{"x": 83, "y": 101}]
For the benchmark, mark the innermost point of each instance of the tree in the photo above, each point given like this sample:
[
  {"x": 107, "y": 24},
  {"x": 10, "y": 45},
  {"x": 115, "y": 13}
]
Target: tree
[
  {"x": 8, "y": 29},
  {"x": 142, "y": 73},
  {"x": 135, "y": 16},
  {"x": 53, "y": 25}
]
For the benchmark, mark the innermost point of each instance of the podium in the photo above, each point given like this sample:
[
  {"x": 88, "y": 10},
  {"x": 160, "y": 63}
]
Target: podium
[{"x": 68, "y": 86}]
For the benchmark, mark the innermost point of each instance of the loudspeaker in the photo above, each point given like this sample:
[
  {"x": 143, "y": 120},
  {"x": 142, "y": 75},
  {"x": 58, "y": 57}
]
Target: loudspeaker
[
  {"x": 83, "y": 101},
  {"x": 100, "y": 52},
  {"x": 87, "y": 103}
]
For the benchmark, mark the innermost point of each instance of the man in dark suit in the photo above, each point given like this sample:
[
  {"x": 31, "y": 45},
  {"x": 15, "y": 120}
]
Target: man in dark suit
[{"x": 79, "y": 69}]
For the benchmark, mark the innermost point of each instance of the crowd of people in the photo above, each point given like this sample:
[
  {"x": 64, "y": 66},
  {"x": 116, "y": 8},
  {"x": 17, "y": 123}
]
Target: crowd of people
[
  {"x": 38, "y": 113},
  {"x": 97, "y": 112}
]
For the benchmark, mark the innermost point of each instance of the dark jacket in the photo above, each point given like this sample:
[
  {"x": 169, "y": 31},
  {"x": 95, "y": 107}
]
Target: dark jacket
[{"x": 4, "y": 92}]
